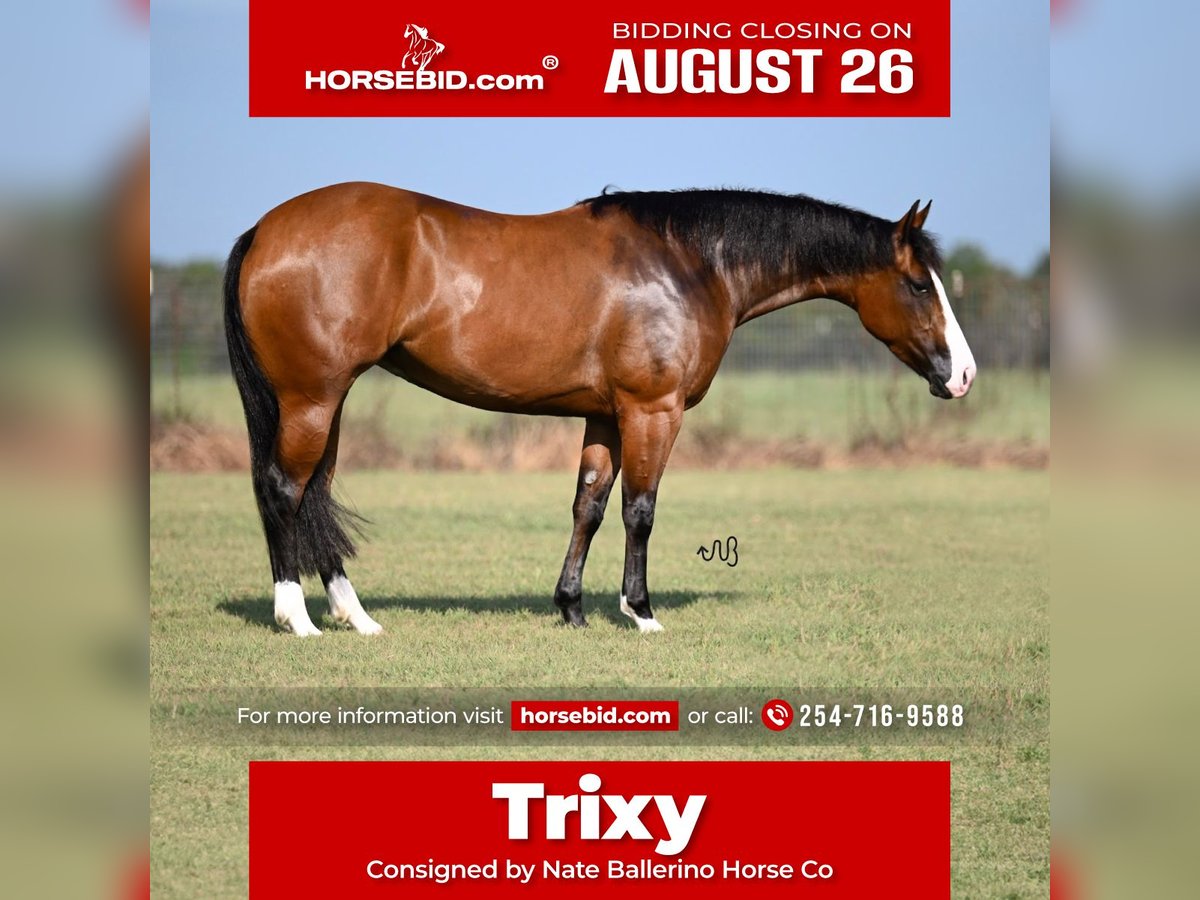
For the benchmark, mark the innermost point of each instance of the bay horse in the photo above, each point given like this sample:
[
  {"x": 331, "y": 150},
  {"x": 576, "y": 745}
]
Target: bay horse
[{"x": 616, "y": 310}]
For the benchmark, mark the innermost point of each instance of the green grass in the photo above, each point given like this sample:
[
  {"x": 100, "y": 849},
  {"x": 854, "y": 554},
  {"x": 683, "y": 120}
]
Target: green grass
[
  {"x": 829, "y": 407},
  {"x": 931, "y": 578}
]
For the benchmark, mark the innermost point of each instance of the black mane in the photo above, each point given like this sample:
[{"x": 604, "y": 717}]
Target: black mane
[{"x": 760, "y": 228}]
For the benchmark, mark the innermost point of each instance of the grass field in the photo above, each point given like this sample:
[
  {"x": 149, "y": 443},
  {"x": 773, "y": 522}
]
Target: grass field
[
  {"x": 832, "y": 408},
  {"x": 931, "y": 577}
]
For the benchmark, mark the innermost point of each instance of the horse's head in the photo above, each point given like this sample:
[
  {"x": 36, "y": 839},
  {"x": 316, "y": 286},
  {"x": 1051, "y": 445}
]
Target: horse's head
[
  {"x": 410, "y": 30},
  {"x": 905, "y": 306}
]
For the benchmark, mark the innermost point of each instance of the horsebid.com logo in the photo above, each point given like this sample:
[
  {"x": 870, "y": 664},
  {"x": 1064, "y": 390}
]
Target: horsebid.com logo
[{"x": 421, "y": 49}]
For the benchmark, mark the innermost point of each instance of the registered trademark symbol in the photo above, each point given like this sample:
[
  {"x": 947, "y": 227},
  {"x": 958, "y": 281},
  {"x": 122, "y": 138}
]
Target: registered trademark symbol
[{"x": 549, "y": 62}]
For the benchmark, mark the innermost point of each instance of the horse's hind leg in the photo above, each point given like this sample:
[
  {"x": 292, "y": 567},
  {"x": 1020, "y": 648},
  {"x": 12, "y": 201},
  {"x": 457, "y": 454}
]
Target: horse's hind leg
[
  {"x": 598, "y": 467},
  {"x": 647, "y": 434},
  {"x": 306, "y": 535},
  {"x": 344, "y": 604},
  {"x": 299, "y": 447}
]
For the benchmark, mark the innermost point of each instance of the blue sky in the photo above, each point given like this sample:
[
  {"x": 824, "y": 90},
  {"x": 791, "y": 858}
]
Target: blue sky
[
  {"x": 1123, "y": 80},
  {"x": 75, "y": 93},
  {"x": 215, "y": 170}
]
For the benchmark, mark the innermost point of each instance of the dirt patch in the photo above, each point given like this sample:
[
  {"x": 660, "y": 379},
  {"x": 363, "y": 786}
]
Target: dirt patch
[
  {"x": 191, "y": 447},
  {"x": 554, "y": 445},
  {"x": 964, "y": 453}
]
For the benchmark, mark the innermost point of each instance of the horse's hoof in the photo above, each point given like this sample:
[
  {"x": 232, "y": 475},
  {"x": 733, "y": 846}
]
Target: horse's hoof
[
  {"x": 645, "y": 626},
  {"x": 300, "y": 629},
  {"x": 290, "y": 612},
  {"x": 365, "y": 625},
  {"x": 574, "y": 618}
]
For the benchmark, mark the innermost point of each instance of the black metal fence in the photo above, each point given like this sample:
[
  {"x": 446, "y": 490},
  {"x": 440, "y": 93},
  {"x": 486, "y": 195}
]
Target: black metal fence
[{"x": 1005, "y": 319}]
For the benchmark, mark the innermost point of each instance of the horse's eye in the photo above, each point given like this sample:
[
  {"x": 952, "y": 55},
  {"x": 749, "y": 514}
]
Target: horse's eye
[{"x": 918, "y": 288}]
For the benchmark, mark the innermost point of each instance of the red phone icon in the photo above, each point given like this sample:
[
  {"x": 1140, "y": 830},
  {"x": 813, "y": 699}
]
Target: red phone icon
[{"x": 777, "y": 714}]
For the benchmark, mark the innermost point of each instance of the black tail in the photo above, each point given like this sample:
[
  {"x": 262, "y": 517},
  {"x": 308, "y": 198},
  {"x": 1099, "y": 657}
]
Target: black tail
[{"x": 313, "y": 539}]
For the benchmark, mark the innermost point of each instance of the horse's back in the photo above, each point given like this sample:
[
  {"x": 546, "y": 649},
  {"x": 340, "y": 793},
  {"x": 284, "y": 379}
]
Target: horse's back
[
  {"x": 542, "y": 313},
  {"x": 338, "y": 207}
]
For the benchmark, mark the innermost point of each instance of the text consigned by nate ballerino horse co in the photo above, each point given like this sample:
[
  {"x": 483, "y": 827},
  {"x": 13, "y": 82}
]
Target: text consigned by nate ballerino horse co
[{"x": 580, "y": 814}]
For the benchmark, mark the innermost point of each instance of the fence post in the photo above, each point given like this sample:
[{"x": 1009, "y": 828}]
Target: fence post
[{"x": 176, "y": 362}]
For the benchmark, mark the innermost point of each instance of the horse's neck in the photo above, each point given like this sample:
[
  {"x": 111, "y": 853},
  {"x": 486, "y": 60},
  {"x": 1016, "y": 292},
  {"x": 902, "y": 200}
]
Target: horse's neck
[{"x": 756, "y": 295}]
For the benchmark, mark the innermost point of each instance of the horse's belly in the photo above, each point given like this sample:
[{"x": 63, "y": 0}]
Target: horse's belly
[{"x": 537, "y": 384}]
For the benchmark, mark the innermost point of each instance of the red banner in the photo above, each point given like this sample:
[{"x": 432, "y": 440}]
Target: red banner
[
  {"x": 699, "y": 58},
  {"x": 647, "y": 829}
]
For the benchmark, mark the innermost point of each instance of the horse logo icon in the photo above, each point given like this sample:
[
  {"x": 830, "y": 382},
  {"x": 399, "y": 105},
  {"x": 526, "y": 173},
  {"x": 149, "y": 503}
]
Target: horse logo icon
[{"x": 421, "y": 47}]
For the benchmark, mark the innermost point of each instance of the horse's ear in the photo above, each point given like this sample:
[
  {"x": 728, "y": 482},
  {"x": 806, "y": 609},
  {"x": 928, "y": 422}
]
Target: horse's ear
[
  {"x": 906, "y": 225},
  {"x": 919, "y": 221}
]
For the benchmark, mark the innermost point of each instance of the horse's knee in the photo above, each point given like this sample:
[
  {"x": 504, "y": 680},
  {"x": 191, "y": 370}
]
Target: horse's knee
[{"x": 639, "y": 515}]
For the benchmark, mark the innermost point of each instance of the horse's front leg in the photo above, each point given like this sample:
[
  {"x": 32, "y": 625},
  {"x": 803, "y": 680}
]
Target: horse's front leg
[
  {"x": 598, "y": 467},
  {"x": 647, "y": 435}
]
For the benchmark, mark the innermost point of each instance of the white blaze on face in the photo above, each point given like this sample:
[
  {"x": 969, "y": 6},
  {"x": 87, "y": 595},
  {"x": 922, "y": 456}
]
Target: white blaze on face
[{"x": 962, "y": 362}]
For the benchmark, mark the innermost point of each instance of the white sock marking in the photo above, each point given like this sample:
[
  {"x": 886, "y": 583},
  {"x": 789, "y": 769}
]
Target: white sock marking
[
  {"x": 962, "y": 361},
  {"x": 346, "y": 608},
  {"x": 645, "y": 626},
  {"x": 290, "y": 611}
]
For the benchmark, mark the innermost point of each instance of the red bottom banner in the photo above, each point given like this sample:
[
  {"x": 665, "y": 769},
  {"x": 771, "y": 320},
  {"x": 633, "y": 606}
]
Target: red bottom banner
[{"x": 645, "y": 829}]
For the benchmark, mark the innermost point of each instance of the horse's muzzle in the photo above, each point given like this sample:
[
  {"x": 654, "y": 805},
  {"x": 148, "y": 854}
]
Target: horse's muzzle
[
  {"x": 961, "y": 382},
  {"x": 938, "y": 373},
  {"x": 938, "y": 389}
]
